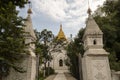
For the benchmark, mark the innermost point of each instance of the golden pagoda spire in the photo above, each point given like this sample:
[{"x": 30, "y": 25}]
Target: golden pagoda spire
[{"x": 61, "y": 35}]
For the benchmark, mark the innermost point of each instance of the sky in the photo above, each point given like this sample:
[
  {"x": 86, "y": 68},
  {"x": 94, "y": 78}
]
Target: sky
[{"x": 49, "y": 14}]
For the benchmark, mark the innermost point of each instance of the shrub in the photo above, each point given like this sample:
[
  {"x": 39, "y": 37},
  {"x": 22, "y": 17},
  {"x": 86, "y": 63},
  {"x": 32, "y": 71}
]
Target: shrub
[{"x": 51, "y": 71}]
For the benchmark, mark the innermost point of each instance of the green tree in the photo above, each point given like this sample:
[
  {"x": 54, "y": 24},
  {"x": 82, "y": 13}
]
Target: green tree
[
  {"x": 73, "y": 50},
  {"x": 44, "y": 37},
  {"x": 11, "y": 36},
  {"x": 110, "y": 26}
]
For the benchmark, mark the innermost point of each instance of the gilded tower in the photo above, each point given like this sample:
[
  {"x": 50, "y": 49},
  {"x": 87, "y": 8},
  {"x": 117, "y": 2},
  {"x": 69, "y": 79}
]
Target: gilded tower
[
  {"x": 61, "y": 35},
  {"x": 59, "y": 54}
]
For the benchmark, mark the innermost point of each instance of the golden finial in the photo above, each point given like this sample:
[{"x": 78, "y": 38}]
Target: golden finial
[
  {"x": 60, "y": 26},
  {"x": 30, "y": 6},
  {"x": 89, "y": 10}
]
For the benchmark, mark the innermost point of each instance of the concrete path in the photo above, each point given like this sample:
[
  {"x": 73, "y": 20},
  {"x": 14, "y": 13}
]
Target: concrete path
[
  {"x": 60, "y": 76},
  {"x": 51, "y": 77},
  {"x": 69, "y": 76}
]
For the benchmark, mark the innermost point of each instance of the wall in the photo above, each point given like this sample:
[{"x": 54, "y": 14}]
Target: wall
[
  {"x": 115, "y": 75},
  {"x": 28, "y": 65}
]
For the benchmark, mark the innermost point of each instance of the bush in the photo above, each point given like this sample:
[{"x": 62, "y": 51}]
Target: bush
[
  {"x": 51, "y": 71},
  {"x": 40, "y": 76}
]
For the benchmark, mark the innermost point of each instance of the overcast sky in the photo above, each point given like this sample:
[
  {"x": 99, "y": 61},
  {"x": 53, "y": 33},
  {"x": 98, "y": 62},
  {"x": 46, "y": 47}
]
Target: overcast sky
[{"x": 49, "y": 14}]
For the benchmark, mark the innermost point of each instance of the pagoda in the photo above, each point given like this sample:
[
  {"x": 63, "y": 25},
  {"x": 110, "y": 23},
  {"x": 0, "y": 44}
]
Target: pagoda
[{"x": 61, "y": 35}]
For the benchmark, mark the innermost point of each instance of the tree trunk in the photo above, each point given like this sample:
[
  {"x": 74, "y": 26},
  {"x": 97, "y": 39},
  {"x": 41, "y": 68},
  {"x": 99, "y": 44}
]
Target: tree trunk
[
  {"x": 37, "y": 66},
  {"x": 0, "y": 77},
  {"x": 44, "y": 72},
  {"x": 48, "y": 68}
]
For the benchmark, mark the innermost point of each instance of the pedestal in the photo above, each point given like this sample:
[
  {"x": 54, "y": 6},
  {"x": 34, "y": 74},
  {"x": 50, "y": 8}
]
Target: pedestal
[{"x": 95, "y": 65}]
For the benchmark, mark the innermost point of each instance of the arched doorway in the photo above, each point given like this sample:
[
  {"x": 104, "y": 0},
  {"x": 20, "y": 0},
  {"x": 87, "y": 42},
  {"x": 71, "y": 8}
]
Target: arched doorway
[{"x": 60, "y": 62}]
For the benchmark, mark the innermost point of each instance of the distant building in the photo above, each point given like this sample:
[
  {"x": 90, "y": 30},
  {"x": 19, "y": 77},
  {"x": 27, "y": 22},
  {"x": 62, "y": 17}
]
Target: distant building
[{"x": 58, "y": 53}]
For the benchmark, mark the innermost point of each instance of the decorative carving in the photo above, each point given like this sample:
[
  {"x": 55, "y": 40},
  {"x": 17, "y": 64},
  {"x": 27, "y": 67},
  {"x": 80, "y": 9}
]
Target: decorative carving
[
  {"x": 89, "y": 75},
  {"x": 100, "y": 76},
  {"x": 98, "y": 66}
]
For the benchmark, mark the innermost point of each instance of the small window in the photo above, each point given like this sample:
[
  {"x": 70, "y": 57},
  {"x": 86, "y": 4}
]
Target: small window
[
  {"x": 23, "y": 42},
  {"x": 60, "y": 62},
  {"x": 94, "y": 42}
]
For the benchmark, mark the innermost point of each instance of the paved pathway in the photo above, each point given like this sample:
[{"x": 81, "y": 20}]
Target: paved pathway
[
  {"x": 60, "y": 76},
  {"x": 69, "y": 76},
  {"x": 51, "y": 77}
]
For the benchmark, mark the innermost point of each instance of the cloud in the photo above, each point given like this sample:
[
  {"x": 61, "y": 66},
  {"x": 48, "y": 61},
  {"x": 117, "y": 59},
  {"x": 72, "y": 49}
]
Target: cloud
[
  {"x": 53, "y": 8},
  {"x": 71, "y": 13}
]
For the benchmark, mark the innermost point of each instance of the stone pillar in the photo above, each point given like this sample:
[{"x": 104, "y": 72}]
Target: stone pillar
[
  {"x": 28, "y": 65},
  {"x": 95, "y": 63},
  {"x": 96, "y": 66},
  {"x": 32, "y": 69}
]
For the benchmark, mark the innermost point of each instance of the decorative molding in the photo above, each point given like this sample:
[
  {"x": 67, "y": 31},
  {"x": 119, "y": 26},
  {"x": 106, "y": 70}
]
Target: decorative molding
[
  {"x": 100, "y": 76},
  {"x": 99, "y": 66}
]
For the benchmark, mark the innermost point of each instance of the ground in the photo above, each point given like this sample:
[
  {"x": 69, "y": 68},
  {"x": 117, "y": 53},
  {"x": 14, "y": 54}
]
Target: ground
[{"x": 61, "y": 76}]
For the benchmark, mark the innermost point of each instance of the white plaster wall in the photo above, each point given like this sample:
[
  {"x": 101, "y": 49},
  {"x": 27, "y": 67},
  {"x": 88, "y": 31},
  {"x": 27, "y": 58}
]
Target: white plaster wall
[
  {"x": 33, "y": 68},
  {"x": 115, "y": 75},
  {"x": 55, "y": 61}
]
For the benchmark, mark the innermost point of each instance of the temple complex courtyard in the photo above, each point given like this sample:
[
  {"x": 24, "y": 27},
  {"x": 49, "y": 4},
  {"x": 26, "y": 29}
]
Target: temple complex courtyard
[{"x": 59, "y": 39}]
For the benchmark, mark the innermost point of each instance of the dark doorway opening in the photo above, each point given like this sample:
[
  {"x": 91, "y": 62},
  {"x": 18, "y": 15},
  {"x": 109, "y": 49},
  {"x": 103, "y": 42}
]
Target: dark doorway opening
[{"x": 60, "y": 62}]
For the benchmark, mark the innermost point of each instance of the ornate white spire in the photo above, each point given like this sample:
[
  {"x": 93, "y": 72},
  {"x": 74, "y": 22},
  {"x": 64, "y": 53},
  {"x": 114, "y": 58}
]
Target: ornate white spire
[
  {"x": 92, "y": 37},
  {"x": 91, "y": 25},
  {"x": 28, "y": 23}
]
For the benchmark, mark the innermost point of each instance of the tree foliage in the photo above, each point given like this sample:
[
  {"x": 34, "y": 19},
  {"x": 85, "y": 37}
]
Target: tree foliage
[
  {"x": 111, "y": 27},
  {"x": 11, "y": 35},
  {"x": 42, "y": 47},
  {"x": 109, "y": 24},
  {"x": 73, "y": 50},
  {"x": 43, "y": 38}
]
